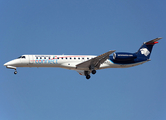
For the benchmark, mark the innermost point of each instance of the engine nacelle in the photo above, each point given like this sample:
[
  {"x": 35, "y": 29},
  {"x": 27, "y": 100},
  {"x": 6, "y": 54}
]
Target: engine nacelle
[{"x": 120, "y": 56}]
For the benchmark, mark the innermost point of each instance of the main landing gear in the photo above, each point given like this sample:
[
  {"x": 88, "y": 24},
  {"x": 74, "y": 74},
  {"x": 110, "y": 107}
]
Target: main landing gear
[
  {"x": 93, "y": 71},
  {"x": 87, "y": 74}
]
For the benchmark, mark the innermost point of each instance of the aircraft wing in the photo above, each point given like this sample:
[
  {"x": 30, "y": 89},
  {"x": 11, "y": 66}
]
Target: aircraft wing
[{"x": 94, "y": 62}]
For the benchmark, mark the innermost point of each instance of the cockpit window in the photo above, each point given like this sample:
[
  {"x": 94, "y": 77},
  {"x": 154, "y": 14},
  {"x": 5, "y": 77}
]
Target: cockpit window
[{"x": 21, "y": 57}]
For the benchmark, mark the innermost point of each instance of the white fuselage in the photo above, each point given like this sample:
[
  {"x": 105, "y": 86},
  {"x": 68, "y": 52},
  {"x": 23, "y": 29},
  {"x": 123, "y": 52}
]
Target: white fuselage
[{"x": 61, "y": 61}]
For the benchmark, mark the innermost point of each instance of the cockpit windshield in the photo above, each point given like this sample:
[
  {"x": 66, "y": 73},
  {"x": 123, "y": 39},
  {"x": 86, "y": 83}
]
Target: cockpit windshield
[{"x": 21, "y": 57}]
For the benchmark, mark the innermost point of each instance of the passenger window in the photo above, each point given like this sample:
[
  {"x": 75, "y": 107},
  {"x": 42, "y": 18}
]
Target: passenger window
[
  {"x": 36, "y": 57},
  {"x": 78, "y": 58},
  {"x": 88, "y": 58},
  {"x": 40, "y": 57},
  {"x": 82, "y": 58},
  {"x": 44, "y": 57},
  {"x": 74, "y": 58},
  {"x": 62, "y": 58},
  {"x": 66, "y": 58},
  {"x": 70, "y": 58},
  {"x": 57, "y": 57}
]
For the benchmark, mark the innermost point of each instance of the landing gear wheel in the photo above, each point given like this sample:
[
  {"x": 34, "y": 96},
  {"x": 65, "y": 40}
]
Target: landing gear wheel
[
  {"x": 88, "y": 77},
  {"x": 15, "y": 72},
  {"x": 93, "y": 71}
]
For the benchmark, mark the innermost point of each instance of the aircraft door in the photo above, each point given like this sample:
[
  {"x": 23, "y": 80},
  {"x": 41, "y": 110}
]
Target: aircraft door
[{"x": 31, "y": 59}]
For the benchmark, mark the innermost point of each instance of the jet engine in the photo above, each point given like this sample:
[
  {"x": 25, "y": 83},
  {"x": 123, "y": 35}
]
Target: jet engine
[{"x": 121, "y": 56}]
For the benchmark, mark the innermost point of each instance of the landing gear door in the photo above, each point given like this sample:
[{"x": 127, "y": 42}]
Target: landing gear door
[{"x": 31, "y": 59}]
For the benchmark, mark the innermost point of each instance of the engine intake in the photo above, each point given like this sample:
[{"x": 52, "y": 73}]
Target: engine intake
[{"x": 124, "y": 56}]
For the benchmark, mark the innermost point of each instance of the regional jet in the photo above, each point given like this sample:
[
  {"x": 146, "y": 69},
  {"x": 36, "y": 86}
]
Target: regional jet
[{"x": 86, "y": 64}]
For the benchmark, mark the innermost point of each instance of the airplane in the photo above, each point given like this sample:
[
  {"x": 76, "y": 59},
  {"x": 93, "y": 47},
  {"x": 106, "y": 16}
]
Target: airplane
[{"x": 87, "y": 64}]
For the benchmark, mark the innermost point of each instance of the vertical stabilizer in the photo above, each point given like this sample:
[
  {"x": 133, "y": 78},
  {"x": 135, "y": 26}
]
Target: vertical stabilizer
[{"x": 146, "y": 49}]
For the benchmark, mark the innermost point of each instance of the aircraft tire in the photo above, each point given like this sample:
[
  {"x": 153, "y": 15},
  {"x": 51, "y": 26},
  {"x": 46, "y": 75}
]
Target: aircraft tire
[
  {"x": 88, "y": 77},
  {"x": 93, "y": 71}
]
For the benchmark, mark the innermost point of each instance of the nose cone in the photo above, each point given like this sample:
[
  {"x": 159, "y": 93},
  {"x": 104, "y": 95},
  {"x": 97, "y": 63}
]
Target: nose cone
[
  {"x": 12, "y": 63},
  {"x": 6, "y": 64}
]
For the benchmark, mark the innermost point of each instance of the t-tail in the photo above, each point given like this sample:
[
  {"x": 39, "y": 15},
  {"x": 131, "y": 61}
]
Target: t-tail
[
  {"x": 145, "y": 50},
  {"x": 143, "y": 54}
]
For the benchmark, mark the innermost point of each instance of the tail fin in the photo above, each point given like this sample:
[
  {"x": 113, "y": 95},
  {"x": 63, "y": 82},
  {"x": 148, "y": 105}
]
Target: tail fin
[{"x": 146, "y": 49}]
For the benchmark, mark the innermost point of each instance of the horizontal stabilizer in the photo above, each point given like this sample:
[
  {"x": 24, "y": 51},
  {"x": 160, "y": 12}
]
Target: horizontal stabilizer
[{"x": 154, "y": 41}]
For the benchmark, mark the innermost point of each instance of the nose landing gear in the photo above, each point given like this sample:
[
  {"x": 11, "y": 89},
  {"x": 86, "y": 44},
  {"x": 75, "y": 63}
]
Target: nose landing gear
[{"x": 15, "y": 72}]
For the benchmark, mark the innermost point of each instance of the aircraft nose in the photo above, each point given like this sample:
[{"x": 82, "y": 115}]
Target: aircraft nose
[
  {"x": 6, "y": 64},
  {"x": 11, "y": 63}
]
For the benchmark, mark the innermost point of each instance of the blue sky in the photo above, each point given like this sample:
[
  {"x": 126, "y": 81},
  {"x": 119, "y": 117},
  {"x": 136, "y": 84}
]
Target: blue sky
[{"x": 83, "y": 27}]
